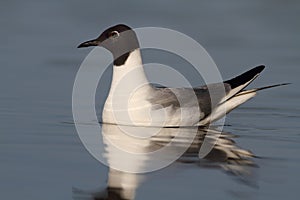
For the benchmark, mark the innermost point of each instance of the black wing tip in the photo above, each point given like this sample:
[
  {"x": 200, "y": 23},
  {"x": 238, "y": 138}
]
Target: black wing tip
[
  {"x": 259, "y": 68},
  {"x": 284, "y": 84},
  {"x": 272, "y": 86},
  {"x": 245, "y": 77}
]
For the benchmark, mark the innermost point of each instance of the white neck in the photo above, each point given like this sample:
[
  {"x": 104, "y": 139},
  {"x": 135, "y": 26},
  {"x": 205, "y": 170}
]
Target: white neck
[
  {"x": 130, "y": 75},
  {"x": 127, "y": 101}
]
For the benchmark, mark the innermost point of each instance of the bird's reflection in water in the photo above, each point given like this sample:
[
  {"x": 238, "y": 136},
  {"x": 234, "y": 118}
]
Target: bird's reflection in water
[{"x": 131, "y": 151}]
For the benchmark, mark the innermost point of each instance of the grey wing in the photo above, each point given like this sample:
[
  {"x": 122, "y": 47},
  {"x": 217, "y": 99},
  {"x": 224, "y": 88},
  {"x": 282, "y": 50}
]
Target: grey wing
[
  {"x": 208, "y": 97},
  {"x": 205, "y": 97}
]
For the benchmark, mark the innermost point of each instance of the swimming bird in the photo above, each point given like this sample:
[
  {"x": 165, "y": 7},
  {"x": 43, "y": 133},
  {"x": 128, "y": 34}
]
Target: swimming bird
[{"x": 133, "y": 100}]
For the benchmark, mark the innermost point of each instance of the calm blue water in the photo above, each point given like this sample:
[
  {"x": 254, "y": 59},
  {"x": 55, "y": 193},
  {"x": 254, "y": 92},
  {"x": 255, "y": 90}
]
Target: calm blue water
[{"x": 41, "y": 154}]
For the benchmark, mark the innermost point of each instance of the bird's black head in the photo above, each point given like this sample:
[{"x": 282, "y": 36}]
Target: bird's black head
[{"x": 120, "y": 40}]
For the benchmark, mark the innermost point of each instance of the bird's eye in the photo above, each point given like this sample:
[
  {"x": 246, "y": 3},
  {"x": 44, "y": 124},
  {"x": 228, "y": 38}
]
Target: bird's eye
[{"x": 114, "y": 34}]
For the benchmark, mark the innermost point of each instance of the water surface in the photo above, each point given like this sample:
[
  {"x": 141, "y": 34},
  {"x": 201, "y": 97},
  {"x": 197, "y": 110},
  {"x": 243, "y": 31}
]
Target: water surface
[{"x": 41, "y": 154}]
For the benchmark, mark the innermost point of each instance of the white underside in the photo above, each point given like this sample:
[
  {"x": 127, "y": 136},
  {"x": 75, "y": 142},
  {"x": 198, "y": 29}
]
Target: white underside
[{"x": 138, "y": 111}]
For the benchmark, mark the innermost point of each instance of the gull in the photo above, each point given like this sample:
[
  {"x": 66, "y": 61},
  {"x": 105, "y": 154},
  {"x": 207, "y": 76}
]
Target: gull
[{"x": 134, "y": 101}]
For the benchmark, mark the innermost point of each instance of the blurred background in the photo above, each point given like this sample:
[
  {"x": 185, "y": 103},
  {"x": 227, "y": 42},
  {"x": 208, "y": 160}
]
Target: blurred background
[{"x": 40, "y": 152}]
